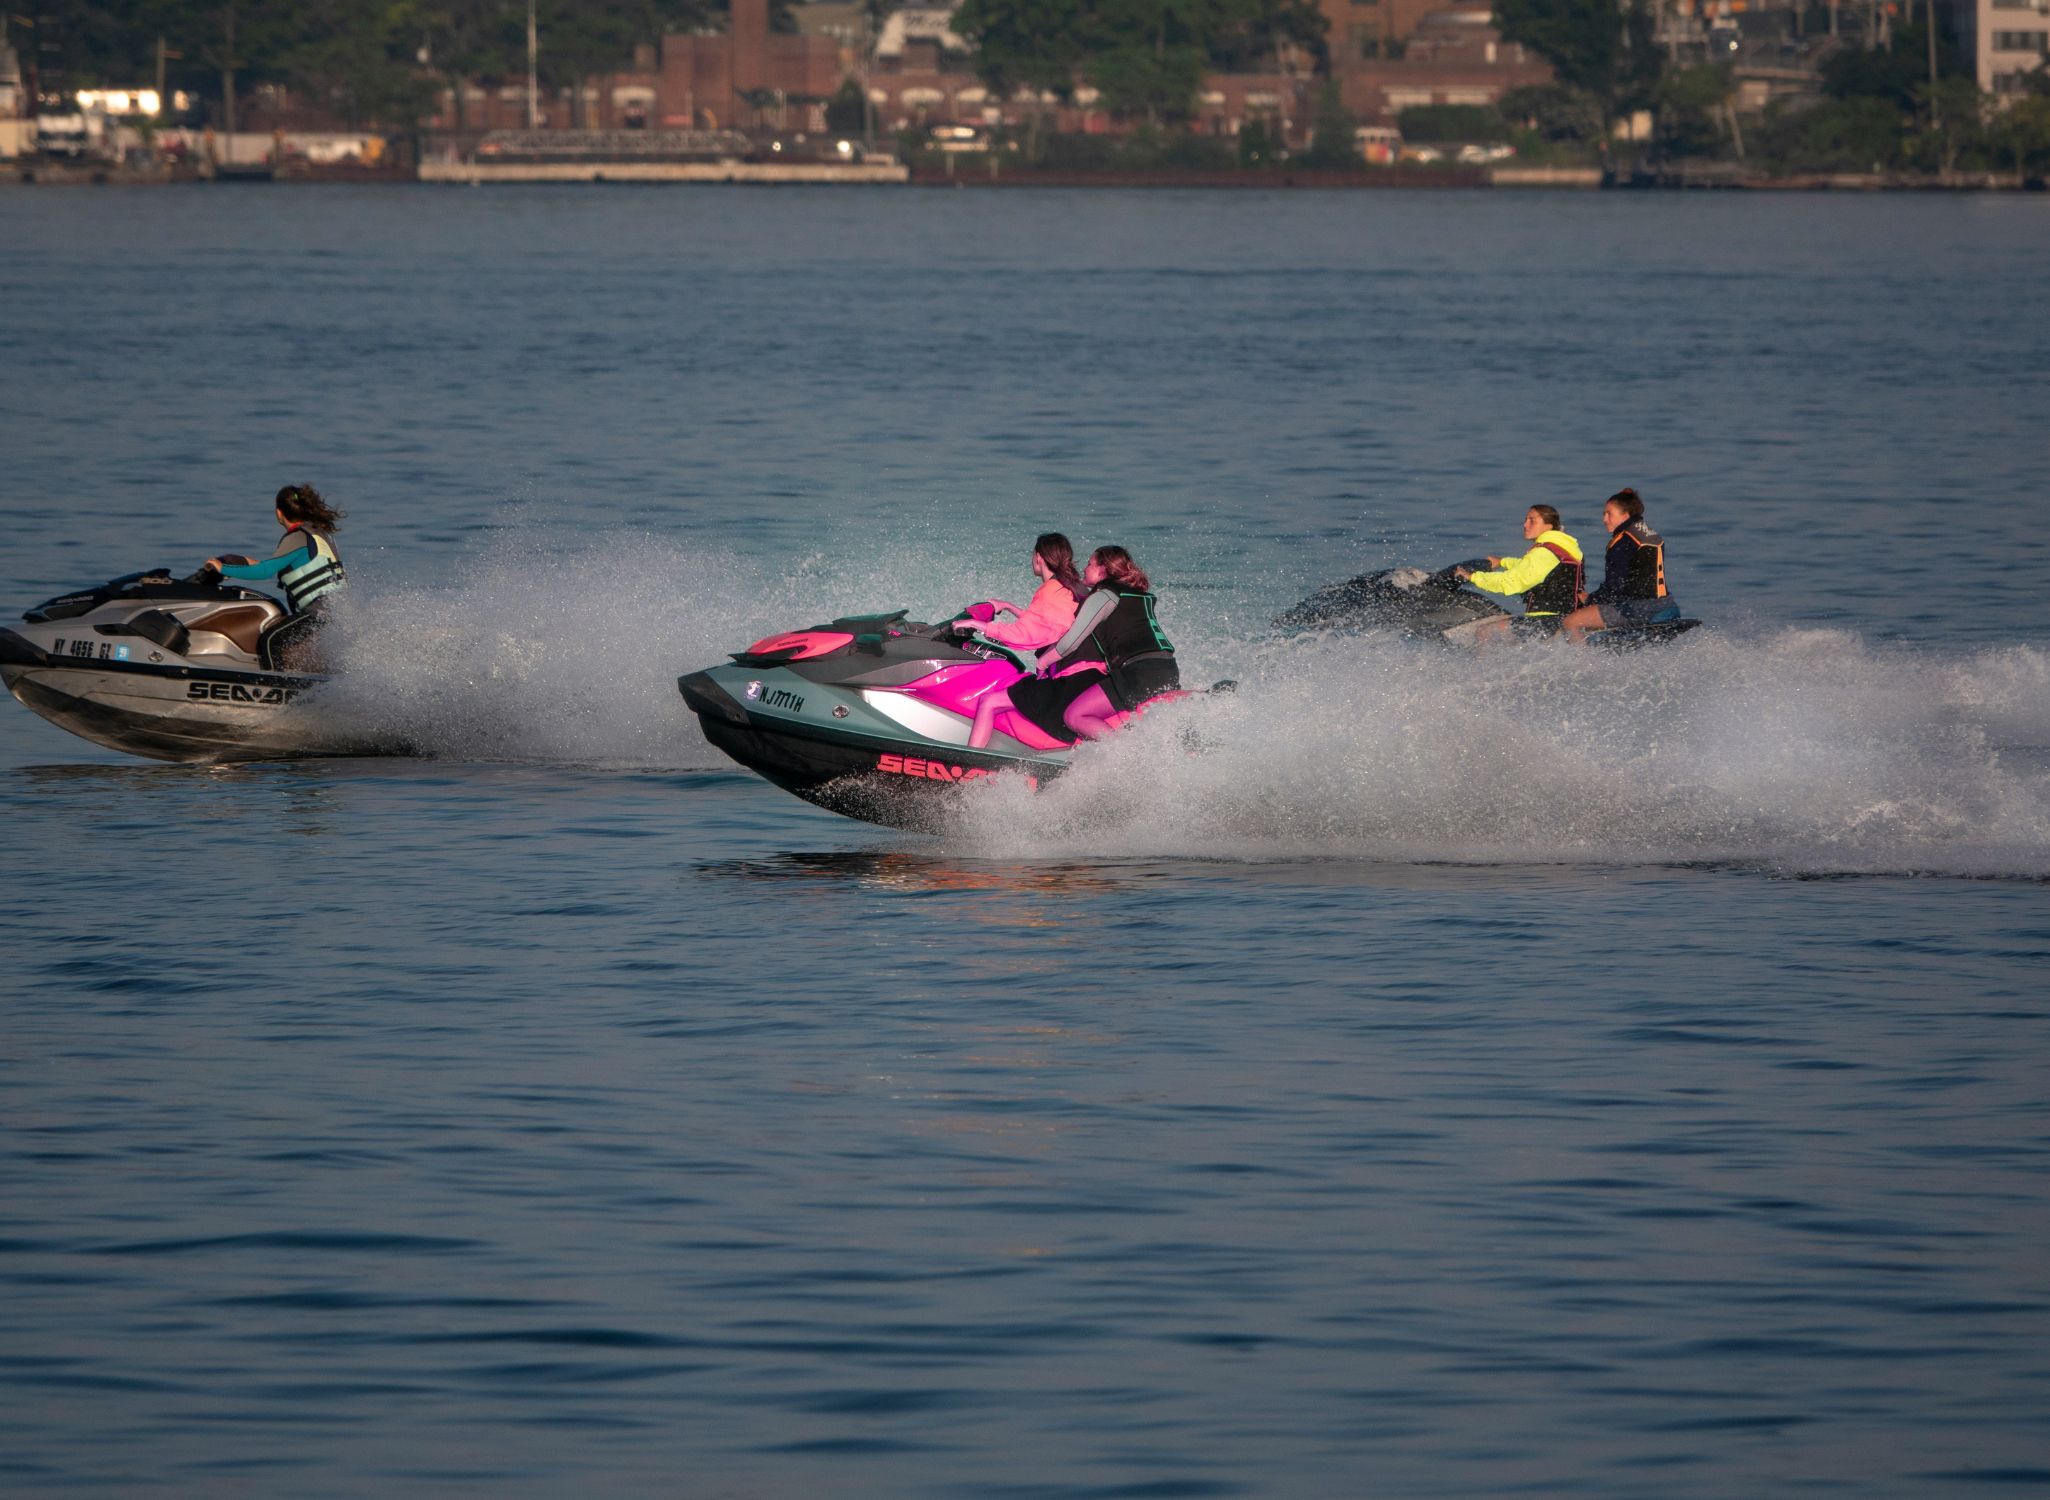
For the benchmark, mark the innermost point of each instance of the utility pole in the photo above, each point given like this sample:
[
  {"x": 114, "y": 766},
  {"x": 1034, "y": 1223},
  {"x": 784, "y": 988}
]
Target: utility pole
[
  {"x": 228, "y": 82},
  {"x": 533, "y": 70},
  {"x": 31, "y": 67},
  {"x": 1930, "y": 10}
]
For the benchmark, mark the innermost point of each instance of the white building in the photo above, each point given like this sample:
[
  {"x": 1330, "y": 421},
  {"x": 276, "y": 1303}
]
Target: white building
[
  {"x": 2005, "y": 40},
  {"x": 12, "y": 102}
]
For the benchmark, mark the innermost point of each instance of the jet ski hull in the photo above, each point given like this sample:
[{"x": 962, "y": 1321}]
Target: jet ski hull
[
  {"x": 832, "y": 746},
  {"x": 143, "y": 665},
  {"x": 1435, "y": 607}
]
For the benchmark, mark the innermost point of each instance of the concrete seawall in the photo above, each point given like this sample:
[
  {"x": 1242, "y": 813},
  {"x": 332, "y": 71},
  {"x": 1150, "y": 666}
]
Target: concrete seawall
[
  {"x": 764, "y": 173},
  {"x": 1545, "y": 177}
]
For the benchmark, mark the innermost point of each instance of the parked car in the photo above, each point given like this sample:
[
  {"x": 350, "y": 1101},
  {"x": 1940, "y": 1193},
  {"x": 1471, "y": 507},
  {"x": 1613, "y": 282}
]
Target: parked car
[
  {"x": 1378, "y": 143},
  {"x": 953, "y": 138},
  {"x": 62, "y": 135}
]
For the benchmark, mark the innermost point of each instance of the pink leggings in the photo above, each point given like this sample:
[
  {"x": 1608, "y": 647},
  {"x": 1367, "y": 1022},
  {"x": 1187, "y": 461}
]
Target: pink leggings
[{"x": 1090, "y": 715}]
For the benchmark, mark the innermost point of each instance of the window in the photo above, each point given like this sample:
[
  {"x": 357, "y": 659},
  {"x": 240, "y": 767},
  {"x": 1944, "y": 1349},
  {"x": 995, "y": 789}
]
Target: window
[{"x": 2021, "y": 41}]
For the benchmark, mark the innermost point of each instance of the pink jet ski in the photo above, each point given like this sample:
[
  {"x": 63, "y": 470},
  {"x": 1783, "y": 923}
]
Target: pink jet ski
[{"x": 869, "y": 716}]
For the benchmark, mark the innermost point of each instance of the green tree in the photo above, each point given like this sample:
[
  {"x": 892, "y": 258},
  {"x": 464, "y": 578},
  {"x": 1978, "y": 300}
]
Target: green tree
[
  {"x": 1149, "y": 56},
  {"x": 1851, "y": 135},
  {"x": 847, "y": 110},
  {"x": 1025, "y": 44},
  {"x": 1556, "y": 111},
  {"x": 1332, "y": 143},
  {"x": 1157, "y": 82},
  {"x": 1594, "y": 45},
  {"x": 1895, "y": 72},
  {"x": 355, "y": 58},
  {"x": 1452, "y": 122},
  {"x": 1251, "y": 44},
  {"x": 2021, "y": 135},
  {"x": 1692, "y": 106},
  {"x": 1953, "y": 115}
]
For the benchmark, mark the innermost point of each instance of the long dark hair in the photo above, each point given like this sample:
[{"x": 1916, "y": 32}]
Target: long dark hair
[
  {"x": 302, "y": 503},
  {"x": 1117, "y": 562},
  {"x": 1058, "y": 553}
]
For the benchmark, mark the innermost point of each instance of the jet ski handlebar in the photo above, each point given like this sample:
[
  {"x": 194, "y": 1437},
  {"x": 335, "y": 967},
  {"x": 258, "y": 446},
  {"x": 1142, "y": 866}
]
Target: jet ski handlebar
[
  {"x": 1026, "y": 661},
  {"x": 1448, "y": 577}
]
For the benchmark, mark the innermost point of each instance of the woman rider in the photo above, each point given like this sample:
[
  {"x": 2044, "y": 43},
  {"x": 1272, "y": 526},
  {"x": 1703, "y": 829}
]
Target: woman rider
[
  {"x": 1547, "y": 577},
  {"x": 1633, "y": 590},
  {"x": 1053, "y": 605},
  {"x": 1116, "y": 626},
  {"x": 1038, "y": 624},
  {"x": 304, "y": 563}
]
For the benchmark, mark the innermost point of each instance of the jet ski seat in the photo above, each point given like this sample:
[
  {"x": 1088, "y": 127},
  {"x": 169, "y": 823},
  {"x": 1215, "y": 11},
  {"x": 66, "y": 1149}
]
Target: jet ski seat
[{"x": 241, "y": 623}]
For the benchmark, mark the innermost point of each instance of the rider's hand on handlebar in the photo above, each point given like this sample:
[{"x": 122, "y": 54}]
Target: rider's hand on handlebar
[{"x": 1462, "y": 572}]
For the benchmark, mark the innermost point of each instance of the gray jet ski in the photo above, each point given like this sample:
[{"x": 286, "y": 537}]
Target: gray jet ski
[
  {"x": 1433, "y": 606},
  {"x": 174, "y": 669}
]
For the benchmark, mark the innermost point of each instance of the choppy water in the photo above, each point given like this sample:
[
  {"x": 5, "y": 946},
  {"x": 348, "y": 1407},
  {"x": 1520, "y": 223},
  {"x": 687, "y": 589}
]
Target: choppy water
[{"x": 1535, "y": 1073}]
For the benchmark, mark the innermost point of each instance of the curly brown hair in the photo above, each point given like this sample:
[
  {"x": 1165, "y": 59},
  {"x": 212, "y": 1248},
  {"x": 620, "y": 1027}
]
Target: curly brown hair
[
  {"x": 1117, "y": 562},
  {"x": 302, "y": 503}
]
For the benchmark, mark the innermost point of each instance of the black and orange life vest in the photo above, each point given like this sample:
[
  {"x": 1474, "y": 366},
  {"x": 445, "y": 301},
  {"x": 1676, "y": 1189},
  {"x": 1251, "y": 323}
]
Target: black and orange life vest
[{"x": 1635, "y": 564}]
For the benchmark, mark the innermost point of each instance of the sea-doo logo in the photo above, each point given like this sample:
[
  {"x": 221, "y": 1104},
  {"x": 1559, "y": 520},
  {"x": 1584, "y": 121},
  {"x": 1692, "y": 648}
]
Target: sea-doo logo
[
  {"x": 784, "y": 698},
  {"x": 928, "y": 770},
  {"x": 754, "y": 691},
  {"x": 235, "y": 692}
]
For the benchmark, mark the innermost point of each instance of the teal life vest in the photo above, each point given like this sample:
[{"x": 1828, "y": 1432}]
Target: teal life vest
[{"x": 315, "y": 578}]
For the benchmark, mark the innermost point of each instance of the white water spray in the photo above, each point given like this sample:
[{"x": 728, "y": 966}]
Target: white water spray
[{"x": 1789, "y": 749}]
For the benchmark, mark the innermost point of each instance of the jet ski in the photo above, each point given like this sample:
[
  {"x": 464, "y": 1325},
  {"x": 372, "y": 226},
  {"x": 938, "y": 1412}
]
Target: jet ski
[
  {"x": 174, "y": 669},
  {"x": 1436, "y": 607},
  {"x": 869, "y": 715}
]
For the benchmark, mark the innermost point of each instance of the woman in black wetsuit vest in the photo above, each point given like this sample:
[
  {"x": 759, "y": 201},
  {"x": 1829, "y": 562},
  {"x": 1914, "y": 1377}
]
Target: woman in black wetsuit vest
[{"x": 1116, "y": 627}]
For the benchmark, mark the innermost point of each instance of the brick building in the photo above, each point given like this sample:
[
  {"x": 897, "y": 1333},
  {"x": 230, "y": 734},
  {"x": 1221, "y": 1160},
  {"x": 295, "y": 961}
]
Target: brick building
[
  {"x": 917, "y": 71},
  {"x": 1451, "y": 55},
  {"x": 745, "y": 76}
]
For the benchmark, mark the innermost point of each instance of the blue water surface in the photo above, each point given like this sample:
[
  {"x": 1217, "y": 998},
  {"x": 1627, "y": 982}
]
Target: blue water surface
[{"x": 1424, "y": 1076}]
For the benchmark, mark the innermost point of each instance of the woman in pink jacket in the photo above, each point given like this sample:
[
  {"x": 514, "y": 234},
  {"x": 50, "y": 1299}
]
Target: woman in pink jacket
[
  {"x": 1038, "y": 625},
  {"x": 1052, "y": 610}
]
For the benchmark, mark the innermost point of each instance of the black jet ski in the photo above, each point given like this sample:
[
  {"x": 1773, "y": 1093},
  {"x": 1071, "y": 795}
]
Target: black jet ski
[
  {"x": 174, "y": 669},
  {"x": 869, "y": 715},
  {"x": 1437, "y": 607}
]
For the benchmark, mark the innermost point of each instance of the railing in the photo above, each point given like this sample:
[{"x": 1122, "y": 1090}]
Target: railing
[{"x": 612, "y": 145}]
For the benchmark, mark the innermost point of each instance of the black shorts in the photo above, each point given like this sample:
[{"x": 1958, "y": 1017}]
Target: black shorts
[
  {"x": 1133, "y": 682},
  {"x": 1045, "y": 700}
]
